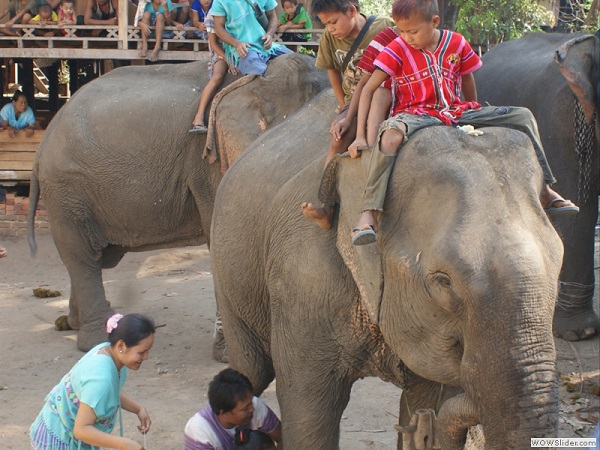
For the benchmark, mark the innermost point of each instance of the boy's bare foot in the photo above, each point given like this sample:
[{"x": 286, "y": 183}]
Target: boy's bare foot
[
  {"x": 553, "y": 203},
  {"x": 144, "y": 50},
  {"x": 2, "y": 252},
  {"x": 154, "y": 56},
  {"x": 317, "y": 215}
]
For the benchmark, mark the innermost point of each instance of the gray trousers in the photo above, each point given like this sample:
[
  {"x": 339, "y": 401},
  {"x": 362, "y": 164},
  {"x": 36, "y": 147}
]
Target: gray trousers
[{"x": 380, "y": 164}]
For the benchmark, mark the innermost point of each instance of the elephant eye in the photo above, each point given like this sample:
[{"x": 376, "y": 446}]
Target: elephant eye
[{"x": 443, "y": 279}]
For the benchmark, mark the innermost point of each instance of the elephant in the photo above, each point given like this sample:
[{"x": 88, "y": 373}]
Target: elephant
[
  {"x": 556, "y": 76},
  {"x": 454, "y": 303},
  {"x": 119, "y": 172}
]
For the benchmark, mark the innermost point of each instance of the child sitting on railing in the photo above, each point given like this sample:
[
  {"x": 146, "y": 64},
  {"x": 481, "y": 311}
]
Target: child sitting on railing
[
  {"x": 157, "y": 13},
  {"x": 293, "y": 18},
  {"x": 45, "y": 16},
  {"x": 66, "y": 14}
]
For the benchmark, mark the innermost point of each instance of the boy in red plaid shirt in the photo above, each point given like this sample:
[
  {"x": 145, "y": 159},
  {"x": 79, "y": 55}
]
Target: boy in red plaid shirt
[{"x": 429, "y": 68}]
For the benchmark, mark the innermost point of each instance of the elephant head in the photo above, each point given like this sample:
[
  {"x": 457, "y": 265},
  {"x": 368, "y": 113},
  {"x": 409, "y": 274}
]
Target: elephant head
[{"x": 463, "y": 279}]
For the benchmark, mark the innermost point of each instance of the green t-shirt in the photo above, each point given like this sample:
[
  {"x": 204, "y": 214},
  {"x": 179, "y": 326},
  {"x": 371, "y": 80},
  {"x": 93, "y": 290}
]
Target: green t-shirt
[
  {"x": 332, "y": 53},
  {"x": 302, "y": 16}
]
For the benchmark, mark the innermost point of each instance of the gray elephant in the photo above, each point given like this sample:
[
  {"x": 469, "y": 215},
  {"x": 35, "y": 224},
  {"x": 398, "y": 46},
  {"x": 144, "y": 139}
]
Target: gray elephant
[
  {"x": 457, "y": 295},
  {"x": 556, "y": 76},
  {"x": 119, "y": 172}
]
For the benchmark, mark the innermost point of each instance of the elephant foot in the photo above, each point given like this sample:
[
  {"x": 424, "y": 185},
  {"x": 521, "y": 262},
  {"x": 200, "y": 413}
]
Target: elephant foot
[
  {"x": 575, "y": 326},
  {"x": 220, "y": 348},
  {"x": 62, "y": 324},
  {"x": 91, "y": 335}
]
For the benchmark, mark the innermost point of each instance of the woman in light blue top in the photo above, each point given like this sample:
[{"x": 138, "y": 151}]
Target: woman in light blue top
[
  {"x": 17, "y": 115},
  {"x": 81, "y": 411}
]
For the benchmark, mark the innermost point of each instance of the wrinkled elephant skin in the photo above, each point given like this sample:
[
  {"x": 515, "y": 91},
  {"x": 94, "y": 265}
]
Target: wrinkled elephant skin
[
  {"x": 557, "y": 76},
  {"x": 119, "y": 172},
  {"x": 459, "y": 290}
]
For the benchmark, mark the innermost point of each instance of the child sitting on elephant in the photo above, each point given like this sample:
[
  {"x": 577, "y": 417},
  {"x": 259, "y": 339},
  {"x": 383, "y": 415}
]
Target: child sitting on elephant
[
  {"x": 341, "y": 49},
  {"x": 430, "y": 65}
]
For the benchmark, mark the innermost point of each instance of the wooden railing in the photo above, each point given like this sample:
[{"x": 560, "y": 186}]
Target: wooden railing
[
  {"x": 17, "y": 155},
  {"x": 115, "y": 42}
]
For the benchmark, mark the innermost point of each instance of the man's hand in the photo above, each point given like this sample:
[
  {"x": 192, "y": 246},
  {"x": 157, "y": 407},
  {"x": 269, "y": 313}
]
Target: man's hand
[
  {"x": 357, "y": 146},
  {"x": 268, "y": 41},
  {"x": 242, "y": 49}
]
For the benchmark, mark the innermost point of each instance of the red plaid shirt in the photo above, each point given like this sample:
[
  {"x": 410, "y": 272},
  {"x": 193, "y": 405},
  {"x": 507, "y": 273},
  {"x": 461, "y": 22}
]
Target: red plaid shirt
[{"x": 425, "y": 82}]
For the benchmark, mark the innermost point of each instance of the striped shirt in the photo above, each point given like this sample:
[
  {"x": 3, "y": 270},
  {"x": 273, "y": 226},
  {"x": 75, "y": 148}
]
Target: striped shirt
[
  {"x": 379, "y": 42},
  {"x": 427, "y": 82}
]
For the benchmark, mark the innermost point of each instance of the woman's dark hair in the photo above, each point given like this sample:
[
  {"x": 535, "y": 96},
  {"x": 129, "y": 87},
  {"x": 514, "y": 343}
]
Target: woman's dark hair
[
  {"x": 247, "y": 439},
  {"x": 131, "y": 328},
  {"x": 16, "y": 95},
  {"x": 331, "y": 6},
  {"x": 226, "y": 389}
]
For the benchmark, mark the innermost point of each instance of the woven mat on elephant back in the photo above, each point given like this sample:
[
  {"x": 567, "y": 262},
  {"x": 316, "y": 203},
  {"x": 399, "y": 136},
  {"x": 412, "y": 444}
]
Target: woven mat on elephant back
[{"x": 212, "y": 150}]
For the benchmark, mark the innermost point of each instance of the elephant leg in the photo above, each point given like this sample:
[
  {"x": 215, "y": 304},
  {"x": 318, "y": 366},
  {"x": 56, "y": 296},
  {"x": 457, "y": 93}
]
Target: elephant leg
[
  {"x": 247, "y": 353},
  {"x": 312, "y": 401},
  {"x": 88, "y": 308},
  {"x": 422, "y": 394},
  {"x": 574, "y": 317}
]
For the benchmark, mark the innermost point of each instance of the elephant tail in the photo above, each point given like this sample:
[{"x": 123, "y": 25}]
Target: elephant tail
[{"x": 34, "y": 196}]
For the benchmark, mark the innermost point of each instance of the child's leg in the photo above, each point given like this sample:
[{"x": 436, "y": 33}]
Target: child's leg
[
  {"x": 146, "y": 21},
  {"x": 159, "y": 30},
  {"x": 523, "y": 120},
  {"x": 378, "y": 112},
  {"x": 219, "y": 71}
]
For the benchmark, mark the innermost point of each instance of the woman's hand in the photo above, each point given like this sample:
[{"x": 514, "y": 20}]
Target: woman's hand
[
  {"x": 145, "y": 421},
  {"x": 28, "y": 132},
  {"x": 12, "y": 132}
]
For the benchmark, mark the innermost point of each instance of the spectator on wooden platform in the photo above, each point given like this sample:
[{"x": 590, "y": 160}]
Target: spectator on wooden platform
[
  {"x": 100, "y": 12},
  {"x": 158, "y": 14},
  {"x": 19, "y": 11},
  {"x": 181, "y": 12},
  {"x": 17, "y": 115},
  {"x": 294, "y": 17},
  {"x": 200, "y": 9},
  {"x": 44, "y": 17},
  {"x": 66, "y": 14}
]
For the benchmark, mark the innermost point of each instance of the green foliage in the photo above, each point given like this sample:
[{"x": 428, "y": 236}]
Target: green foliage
[
  {"x": 376, "y": 7},
  {"x": 494, "y": 21}
]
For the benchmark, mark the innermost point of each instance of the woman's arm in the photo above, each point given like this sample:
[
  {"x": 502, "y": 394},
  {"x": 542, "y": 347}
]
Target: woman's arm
[
  {"x": 129, "y": 404},
  {"x": 85, "y": 431}
]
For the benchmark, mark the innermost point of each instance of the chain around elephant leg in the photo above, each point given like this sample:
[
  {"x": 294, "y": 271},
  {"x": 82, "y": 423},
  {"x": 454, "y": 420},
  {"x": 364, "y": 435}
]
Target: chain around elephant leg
[{"x": 219, "y": 344}]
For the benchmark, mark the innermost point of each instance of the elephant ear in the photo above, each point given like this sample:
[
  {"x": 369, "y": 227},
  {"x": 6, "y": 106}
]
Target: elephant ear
[
  {"x": 578, "y": 60},
  {"x": 343, "y": 183}
]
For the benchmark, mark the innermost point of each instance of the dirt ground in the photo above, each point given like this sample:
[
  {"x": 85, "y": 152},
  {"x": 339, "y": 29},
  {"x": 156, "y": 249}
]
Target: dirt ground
[{"x": 175, "y": 288}]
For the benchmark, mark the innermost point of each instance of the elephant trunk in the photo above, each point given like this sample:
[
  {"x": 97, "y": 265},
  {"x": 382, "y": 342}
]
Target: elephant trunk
[
  {"x": 518, "y": 388},
  {"x": 455, "y": 418}
]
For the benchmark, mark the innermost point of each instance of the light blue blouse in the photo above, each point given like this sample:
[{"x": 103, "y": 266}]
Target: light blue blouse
[{"x": 8, "y": 114}]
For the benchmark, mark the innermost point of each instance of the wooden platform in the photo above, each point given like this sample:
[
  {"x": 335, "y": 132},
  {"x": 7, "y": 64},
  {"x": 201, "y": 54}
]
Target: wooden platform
[
  {"x": 116, "y": 42},
  {"x": 17, "y": 155}
]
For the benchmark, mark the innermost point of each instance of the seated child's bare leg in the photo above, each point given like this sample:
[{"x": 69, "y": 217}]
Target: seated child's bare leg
[
  {"x": 144, "y": 49},
  {"x": 209, "y": 91},
  {"x": 160, "y": 29},
  {"x": 318, "y": 215},
  {"x": 378, "y": 112},
  {"x": 341, "y": 145}
]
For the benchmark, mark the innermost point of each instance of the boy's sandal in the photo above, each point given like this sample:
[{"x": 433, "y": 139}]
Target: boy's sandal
[
  {"x": 363, "y": 236},
  {"x": 199, "y": 128},
  {"x": 568, "y": 209}
]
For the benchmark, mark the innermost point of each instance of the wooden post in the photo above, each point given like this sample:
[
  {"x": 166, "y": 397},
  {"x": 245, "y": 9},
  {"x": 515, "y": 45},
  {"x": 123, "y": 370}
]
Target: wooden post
[
  {"x": 52, "y": 72},
  {"x": 123, "y": 21}
]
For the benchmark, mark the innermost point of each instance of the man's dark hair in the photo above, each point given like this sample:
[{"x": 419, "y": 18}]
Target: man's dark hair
[
  {"x": 319, "y": 6},
  {"x": 226, "y": 389}
]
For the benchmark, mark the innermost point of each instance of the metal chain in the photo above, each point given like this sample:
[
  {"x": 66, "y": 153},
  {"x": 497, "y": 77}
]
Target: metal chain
[{"x": 584, "y": 144}]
